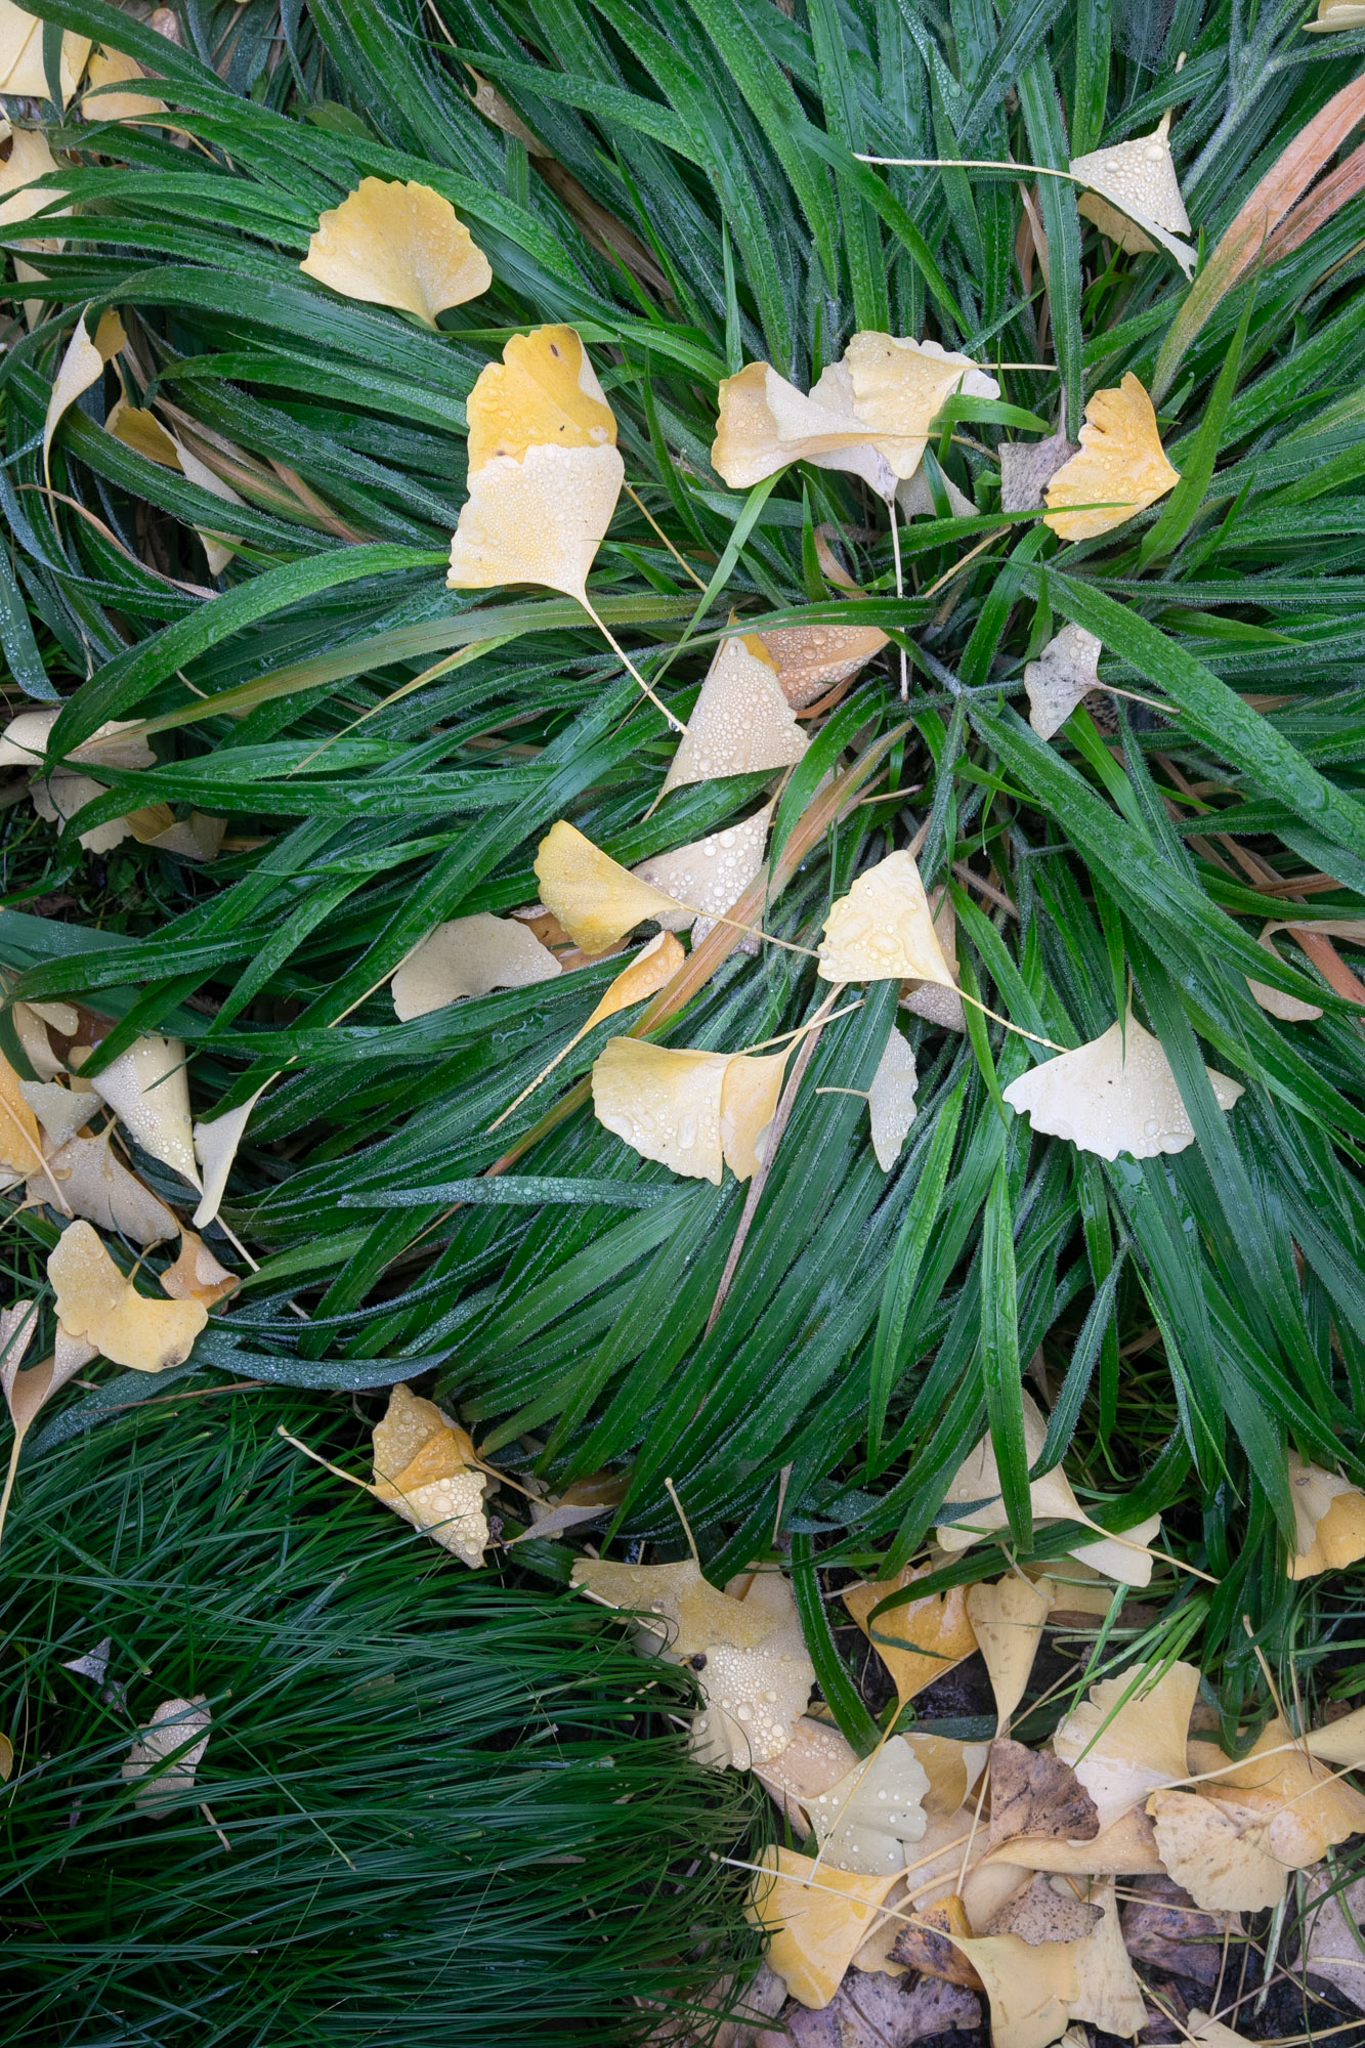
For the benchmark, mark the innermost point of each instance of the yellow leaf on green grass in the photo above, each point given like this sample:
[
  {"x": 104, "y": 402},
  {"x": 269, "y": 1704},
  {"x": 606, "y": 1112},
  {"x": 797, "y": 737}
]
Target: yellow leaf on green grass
[
  {"x": 927, "y": 1636},
  {"x": 1329, "y": 1520},
  {"x": 1120, "y": 470},
  {"x": 81, "y": 365},
  {"x": 741, "y": 722},
  {"x": 469, "y": 956},
  {"x": 400, "y": 245},
  {"x": 882, "y": 929},
  {"x": 1116, "y": 1093},
  {"x": 97, "y": 1302},
  {"x": 815, "y": 1919},
  {"x": 109, "y": 68},
  {"x": 1124, "y": 1748},
  {"x": 1007, "y": 1620},
  {"x": 22, "y": 69},
  {"x": 595, "y": 899},
  {"x": 424, "y": 1469},
  {"x": 1133, "y": 194},
  {"x": 149, "y": 1093}
]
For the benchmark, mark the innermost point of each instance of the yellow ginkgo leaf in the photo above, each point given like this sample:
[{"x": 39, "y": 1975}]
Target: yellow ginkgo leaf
[
  {"x": 544, "y": 393},
  {"x": 755, "y": 1692},
  {"x": 1122, "y": 1749},
  {"x": 469, "y": 956},
  {"x": 679, "y": 1606},
  {"x": 891, "y": 1099},
  {"x": 538, "y": 520},
  {"x": 1066, "y": 671},
  {"x": 60, "y": 1110},
  {"x": 81, "y": 366},
  {"x": 748, "y": 1103},
  {"x": 1336, "y": 14},
  {"x": 1120, "y": 470},
  {"x": 398, "y": 245},
  {"x": 710, "y": 875},
  {"x": 1114, "y": 1094},
  {"x": 1108, "y": 1993},
  {"x": 899, "y": 387},
  {"x": 197, "y": 837},
  {"x": 1329, "y": 1520},
  {"x": 1007, "y": 1620},
  {"x": 1306, "y": 1809},
  {"x": 1031, "y": 1990},
  {"x": 424, "y": 1469},
  {"x": 24, "y": 743},
  {"x": 816, "y": 1758},
  {"x": 20, "y": 1143},
  {"x": 196, "y": 1275},
  {"x": 882, "y": 930},
  {"x": 1127, "y": 1847},
  {"x": 140, "y": 429},
  {"x": 1277, "y": 1001},
  {"x": 595, "y": 899},
  {"x": 1217, "y": 1852},
  {"x": 215, "y": 1149},
  {"x": 167, "y": 1753},
  {"x": 951, "y": 1767},
  {"x": 147, "y": 1089},
  {"x": 29, "y": 158},
  {"x": 96, "y": 1185},
  {"x": 977, "y": 1480},
  {"x": 812, "y": 659},
  {"x": 765, "y": 424},
  {"x": 97, "y": 1302},
  {"x": 919, "y": 1641},
  {"x": 22, "y": 69},
  {"x": 108, "y": 68},
  {"x": 664, "y": 1102},
  {"x": 1133, "y": 195},
  {"x": 815, "y": 1918},
  {"x": 867, "y": 1820},
  {"x": 741, "y": 721}
]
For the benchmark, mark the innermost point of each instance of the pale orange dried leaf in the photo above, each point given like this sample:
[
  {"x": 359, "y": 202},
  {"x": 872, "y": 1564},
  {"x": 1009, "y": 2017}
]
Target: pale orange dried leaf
[
  {"x": 22, "y": 70},
  {"x": 1123, "y": 1752},
  {"x": 1007, "y": 1620},
  {"x": 741, "y": 722},
  {"x": 470, "y": 956},
  {"x": 882, "y": 929},
  {"x": 1121, "y": 466},
  {"x": 815, "y": 1917},
  {"x": 392, "y": 244},
  {"x": 951, "y": 1767},
  {"x": 196, "y": 1275},
  {"x": 1329, "y": 1520},
  {"x": 81, "y": 365},
  {"x": 595, "y": 899},
  {"x": 931, "y": 1000},
  {"x": 544, "y": 392},
  {"x": 147, "y": 1089},
  {"x": 108, "y": 68},
  {"x": 1116, "y": 1093},
  {"x": 97, "y": 1302},
  {"x": 927, "y": 1636},
  {"x": 1217, "y": 1852},
  {"x": 748, "y": 1103},
  {"x": 30, "y": 157},
  {"x": 930, "y": 1942},
  {"x": 811, "y": 659},
  {"x": 424, "y": 1470},
  {"x": 652, "y": 968},
  {"x": 765, "y": 423},
  {"x": 682, "y": 1608},
  {"x": 899, "y": 387}
]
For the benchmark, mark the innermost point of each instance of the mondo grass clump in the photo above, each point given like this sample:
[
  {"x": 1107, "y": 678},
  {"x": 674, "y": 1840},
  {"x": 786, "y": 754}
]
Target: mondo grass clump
[{"x": 432, "y": 1808}]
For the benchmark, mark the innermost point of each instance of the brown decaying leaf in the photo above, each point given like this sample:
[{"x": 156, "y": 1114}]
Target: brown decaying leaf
[
  {"x": 22, "y": 70},
  {"x": 595, "y": 899},
  {"x": 424, "y": 1469},
  {"x": 1046, "y": 1909},
  {"x": 877, "y": 2012},
  {"x": 1007, "y": 1619},
  {"x": 149, "y": 1093},
  {"x": 1127, "y": 1738},
  {"x": 816, "y": 1918},
  {"x": 741, "y": 722},
  {"x": 97, "y": 1186},
  {"x": 161, "y": 1756},
  {"x": 882, "y": 929},
  {"x": 810, "y": 659},
  {"x": 1217, "y": 1851},
  {"x": 1329, "y": 1520},
  {"x": 928, "y": 1636},
  {"x": 1116, "y": 1093},
  {"x": 1121, "y": 466},
  {"x": 930, "y": 1943},
  {"x": 1162, "y": 1926},
  {"x": 392, "y": 244},
  {"x": 1037, "y": 1795},
  {"x": 97, "y": 1302}
]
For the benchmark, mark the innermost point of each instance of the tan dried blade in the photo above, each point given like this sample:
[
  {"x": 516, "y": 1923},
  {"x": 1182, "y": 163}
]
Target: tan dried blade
[
  {"x": 167, "y": 1753},
  {"x": 741, "y": 722},
  {"x": 1217, "y": 1852},
  {"x": 1120, "y": 470},
  {"x": 815, "y": 1918},
  {"x": 811, "y": 659},
  {"x": 927, "y": 1636},
  {"x": 1123, "y": 1752},
  {"x": 97, "y": 1186},
  {"x": 95, "y": 1301},
  {"x": 748, "y": 1103},
  {"x": 882, "y": 930},
  {"x": 424, "y": 1469},
  {"x": 544, "y": 392},
  {"x": 891, "y": 1100},
  {"x": 1065, "y": 672},
  {"x": 709, "y": 875},
  {"x": 81, "y": 366},
  {"x": 22, "y": 70},
  {"x": 1114, "y": 1094},
  {"x": 470, "y": 956},
  {"x": 664, "y": 1102},
  {"x": 147, "y": 1089},
  {"x": 1007, "y": 1619},
  {"x": 218, "y": 547},
  {"x": 392, "y": 244},
  {"x": 595, "y": 899}
]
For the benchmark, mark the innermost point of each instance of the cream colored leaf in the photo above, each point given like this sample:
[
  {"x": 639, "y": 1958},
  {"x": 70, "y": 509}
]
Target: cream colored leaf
[
  {"x": 765, "y": 424},
  {"x": 815, "y": 1919},
  {"x": 100, "y": 1188},
  {"x": 1289, "y": 1009},
  {"x": 917, "y": 1642},
  {"x": 1114, "y": 1094},
  {"x": 710, "y": 875},
  {"x": 1217, "y": 1852},
  {"x": 891, "y": 1100},
  {"x": 951, "y": 1767},
  {"x": 1121, "y": 467},
  {"x": 899, "y": 387},
  {"x": 1334, "y": 15},
  {"x": 1124, "y": 1556},
  {"x": 147, "y": 1089},
  {"x": 20, "y": 1145},
  {"x": 109, "y": 68},
  {"x": 59, "y": 796},
  {"x": 215, "y": 1149},
  {"x": 1123, "y": 1752},
  {"x": 665, "y": 1102},
  {"x": 22, "y": 70},
  {"x": 755, "y": 1693},
  {"x": 1341, "y": 1741},
  {"x": 391, "y": 244},
  {"x": 96, "y": 1301},
  {"x": 24, "y": 743},
  {"x": 218, "y": 547},
  {"x": 1134, "y": 197},
  {"x": 196, "y": 1275},
  {"x": 1126, "y": 1847},
  {"x": 141, "y": 430},
  {"x": 167, "y": 1753},
  {"x": 816, "y": 1758},
  {"x": 544, "y": 392},
  {"x": 18, "y": 1328},
  {"x": 469, "y": 956},
  {"x": 1066, "y": 671},
  {"x": 1329, "y": 1520},
  {"x": 748, "y": 1103},
  {"x": 1031, "y": 1990},
  {"x": 741, "y": 722},
  {"x": 538, "y": 520},
  {"x": 1335, "y": 1946},
  {"x": 1307, "y": 1810},
  {"x": 1007, "y": 1619},
  {"x": 811, "y": 659},
  {"x": 680, "y": 1607},
  {"x": 198, "y": 837},
  {"x": 931, "y": 999},
  {"x": 977, "y": 1479},
  {"x": 882, "y": 930},
  {"x": 595, "y": 899},
  {"x": 31, "y": 1022},
  {"x": 424, "y": 1470},
  {"x": 1108, "y": 1993},
  {"x": 1211, "y": 2033},
  {"x": 81, "y": 366},
  {"x": 1045, "y": 1909},
  {"x": 30, "y": 157},
  {"x": 916, "y": 501},
  {"x": 868, "y": 1819}
]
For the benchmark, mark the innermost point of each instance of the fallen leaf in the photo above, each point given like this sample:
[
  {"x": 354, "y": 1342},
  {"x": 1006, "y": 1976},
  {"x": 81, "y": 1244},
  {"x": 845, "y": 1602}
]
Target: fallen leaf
[
  {"x": 168, "y": 1752},
  {"x": 1007, "y": 1620},
  {"x": 94, "y": 1663},
  {"x": 1028, "y": 467},
  {"x": 811, "y": 659},
  {"x": 891, "y": 1099},
  {"x": 196, "y": 1275},
  {"x": 595, "y": 899},
  {"x": 1307, "y": 1810},
  {"x": 469, "y": 956},
  {"x": 1217, "y": 1852},
  {"x": 147, "y": 1089},
  {"x": 930, "y": 999},
  {"x": 709, "y": 876},
  {"x": 683, "y": 1611},
  {"x": 1120, "y": 470},
  {"x": 544, "y": 471},
  {"x": 1162, "y": 1926},
  {"x": 879, "y": 2012},
  {"x": 58, "y": 797},
  {"x": 748, "y": 1103},
  {"x": 391, "y": 244},
  {"x": 1341, "y": 1741},
  {"x": 930, "y": 1943},
  {"x": 765, "y": 424},
  {"x": 915, "y": 500},
  {"x": 651, "y": 969},
  {"x": 141, "y": 430},
  {"x": 814, "y": 1917},
  {"x": 197, "y": 837},
  {"x": 20, "y": 1145},
  {"x": 870, "y": 1817},
  {"x": 1116, "y": 1093},
  {"x": 1212, "y": 2033},
  {"x": 218, "y": 547},
  {"x": 897, "y": 388},
  {"x": 424, "y": 1470},
  {"x": 1047, "y": 1909},
  {"x": 951, "y": 1767},
  {"x": 110, "y": 68},
  {"x": 81, "y": 366},
  {"x": 1133, "y": 195},
  {"x": 755, "y": 1692},
  {"x": 22, "y": 70},
  {"x": 215, "y": 1148},
  {"x": 1124, "y": 1556},
  {"x": 29, "y": 158},
  {"x": 1065, "y": 672},
  {"x": 32, "y": 1022},
  {"x": 741, "y": 722},
  {"x": 1108, "y": 1993},
  {"x": 977, "y": 1480},
  {"x": 928, "y": 1636},
  {"x": 1031, "y": 1990},
  {"x": 117, "y": 743},
  {"x": 61, "y": 1111},
  {"x": 1336, "y": 14},
  {"x": 1037, "y": 1795},
  {"x": 1289, "y": 1009},
  {"x": 100, "y": 1188},
  {"x": 665, "y": 1102},
  {"x": 816, "y": 1758},
  {"x": 1125, "y": 1847},
  {"x": 95, "y": 1301},
  {"x": 1329, "y": 1520},
  {"x": 882, "y": 929},
  {"x": 1335, "y": 1946},
  {"x": 587, "y": 1500},
  {"x": 1123, "y": 1752}
]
